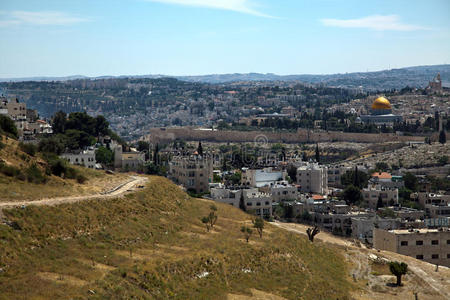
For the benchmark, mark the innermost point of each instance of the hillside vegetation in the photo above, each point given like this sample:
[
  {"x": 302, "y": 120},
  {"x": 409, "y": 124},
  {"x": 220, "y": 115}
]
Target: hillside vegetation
[
  {"x": 27, "y": 175},
  {"x": 152, "y": 244}
]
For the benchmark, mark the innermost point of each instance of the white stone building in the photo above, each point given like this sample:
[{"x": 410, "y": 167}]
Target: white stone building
[{"x": 313, "y": 178}]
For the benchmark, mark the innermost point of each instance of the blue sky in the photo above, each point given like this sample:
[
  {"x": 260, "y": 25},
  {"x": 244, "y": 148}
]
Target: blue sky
[{"x": 192, "y": 37}]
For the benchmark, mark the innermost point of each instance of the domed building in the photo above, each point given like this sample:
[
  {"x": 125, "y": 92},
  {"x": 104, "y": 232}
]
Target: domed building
[{"x": 381, "y": 113}]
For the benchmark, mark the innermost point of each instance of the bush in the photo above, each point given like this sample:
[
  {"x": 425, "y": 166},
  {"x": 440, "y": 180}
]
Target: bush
[
  {"x": 34, "y": 175},
  {"x": 29, "y": 149},
  {"x": 81, "y": 179},
  {"x": 10, "y": 171},
  {"x": 56, "y": 165},
  {"x": 70, "y": 173}
]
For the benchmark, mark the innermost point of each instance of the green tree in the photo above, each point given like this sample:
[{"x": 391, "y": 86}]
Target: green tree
[
  {"x": 143, "y": 146},
  {"x": 101, "y": 126},
  {"x": 442, "y": 137},
  {"x": 312, "y": 232},
  {"x": 292, "y": 172},
  {"x": 156, "y": 155},
  {"x": 410, "y": 181},
  {"x": 205, "y": 220},
  {"x": 200, "y": 149},
  {"x": 398, "y": 269},
  {"x": 355, "y": 177},
  {"x": 8, "y": 125},
  {"x": 104, "y": 156},
  {"x": 258, "y": 223},
  {"x": 247, "y": 232},
  {"x": 352, "y": 194},
  {"x": 379, "y": 202},
  {"x": 242, "y": 202},
  {"x": 53, "y": 144},
  {"x": 58, "y": 122},
  {"x": 77, "y": 139},
  {"x": 317, "y": 153}
]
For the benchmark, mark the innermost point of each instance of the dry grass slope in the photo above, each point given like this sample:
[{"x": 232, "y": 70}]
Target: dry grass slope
[
  {"x": 13, "y": 189},
  {"x": 152, "y": 245}
]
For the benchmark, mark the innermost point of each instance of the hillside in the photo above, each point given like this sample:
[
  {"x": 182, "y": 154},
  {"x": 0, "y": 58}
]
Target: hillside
[
  {"x": 152, "y": 244},
  {"x": 16, "y": 187}
]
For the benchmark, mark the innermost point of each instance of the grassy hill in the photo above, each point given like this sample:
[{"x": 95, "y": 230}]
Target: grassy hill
[
  {"x": 152, "y": 245},
  {"x": 14, "y": 186}
]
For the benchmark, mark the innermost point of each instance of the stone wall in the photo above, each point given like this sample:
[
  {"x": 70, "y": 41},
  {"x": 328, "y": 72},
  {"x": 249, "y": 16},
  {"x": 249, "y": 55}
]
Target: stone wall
[{"x": 301, "y": 136}]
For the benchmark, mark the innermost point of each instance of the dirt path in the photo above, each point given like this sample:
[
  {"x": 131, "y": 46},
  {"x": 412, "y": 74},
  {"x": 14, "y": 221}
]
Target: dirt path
[
  {"x": 424, "y": 279},
  {"x": 130, "y": 184}
]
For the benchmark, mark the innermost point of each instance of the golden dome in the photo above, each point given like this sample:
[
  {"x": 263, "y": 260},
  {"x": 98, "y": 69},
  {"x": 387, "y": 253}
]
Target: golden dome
[{"x": 381, "y": 103}]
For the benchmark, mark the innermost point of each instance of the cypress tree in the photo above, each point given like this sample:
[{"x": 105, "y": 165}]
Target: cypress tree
[
  {"x": 317, "y": 153},
  {"x": 200, "y": 149},
  {"x": 442, "y": 137}
]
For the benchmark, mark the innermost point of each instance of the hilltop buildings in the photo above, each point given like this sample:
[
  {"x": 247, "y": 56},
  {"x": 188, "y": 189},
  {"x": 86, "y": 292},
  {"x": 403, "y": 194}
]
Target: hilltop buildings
[{"x": 26, "y": 120}]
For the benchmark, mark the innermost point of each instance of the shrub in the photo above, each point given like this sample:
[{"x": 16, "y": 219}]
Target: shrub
[
  {"x": 10, "y": 171},
  {"x": 56, "y": 165},
  {"x": 34, "y": 175},
  {"x": 70, "y": 173},
  {"x": 29, "y": 149},
  {"x": 81, "y": 179}
]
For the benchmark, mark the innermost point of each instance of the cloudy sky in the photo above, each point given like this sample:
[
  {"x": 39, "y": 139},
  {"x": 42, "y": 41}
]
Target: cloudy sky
[{"x": 192, "y": 37}]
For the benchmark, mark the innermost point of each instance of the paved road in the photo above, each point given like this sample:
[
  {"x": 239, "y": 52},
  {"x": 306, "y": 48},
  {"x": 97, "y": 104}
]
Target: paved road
[{"x": 117, "y": 191}]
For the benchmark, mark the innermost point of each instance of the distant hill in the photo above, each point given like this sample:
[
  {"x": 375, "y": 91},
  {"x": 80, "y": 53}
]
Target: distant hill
[
  {"x": 418, "y": 76},
  {"x": 387, "y": 79}
]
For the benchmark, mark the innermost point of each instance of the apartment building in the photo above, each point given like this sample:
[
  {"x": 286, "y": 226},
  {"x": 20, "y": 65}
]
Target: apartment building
[
  {"x": 261, "y": 177},
  {"x": 371, "y": 194},
  {"x": 258, "y": 202},
  {"x": 312, "y": 178},
  {"x": 364, "y": 224},
  {"x": 281, "y": 191},
  {"x": 335, "y": 173},
  {"x": 84, "y": 158},
  {"x": 430, "y": 245},
  {"x": 435, "y": 205},
  {"x": 194, "y": 172}
]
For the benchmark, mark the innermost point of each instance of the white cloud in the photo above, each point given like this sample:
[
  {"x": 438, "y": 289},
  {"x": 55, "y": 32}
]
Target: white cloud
[
  {"x": 241, "y": 6},
  {"x": 375, "y": 22},
  {"x": 18, "y": 17}
]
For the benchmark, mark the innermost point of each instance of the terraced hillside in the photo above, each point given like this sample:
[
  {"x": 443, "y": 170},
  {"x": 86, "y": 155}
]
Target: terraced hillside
[{"x": 151, "y": 244}]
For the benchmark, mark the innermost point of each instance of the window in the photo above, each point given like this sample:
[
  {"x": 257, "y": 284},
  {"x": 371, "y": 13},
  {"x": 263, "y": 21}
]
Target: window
[
  {"x": 267, "y": 202},
  {"x": 434, "y": 256},
  {"x": 249, "y": 204},
  {"x": 448, "y": 242},
  {"x": 448, "y": 255},
  {"x": 419, "y": 256},
  {"x": 258, "y": 203},
  {"x": 419, "y": 243},
  {"x": 435, "y": 242},
  {"x": 403, "y": 243}
]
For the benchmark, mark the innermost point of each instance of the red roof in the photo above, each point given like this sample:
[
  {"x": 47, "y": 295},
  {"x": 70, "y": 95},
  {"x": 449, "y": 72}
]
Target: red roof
[
  {"x": 382, "y": 175},
  {"x": 318, "y": 197}
]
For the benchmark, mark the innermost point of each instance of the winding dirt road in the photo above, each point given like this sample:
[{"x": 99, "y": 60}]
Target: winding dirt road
[{"x": 122, "y": 188}]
